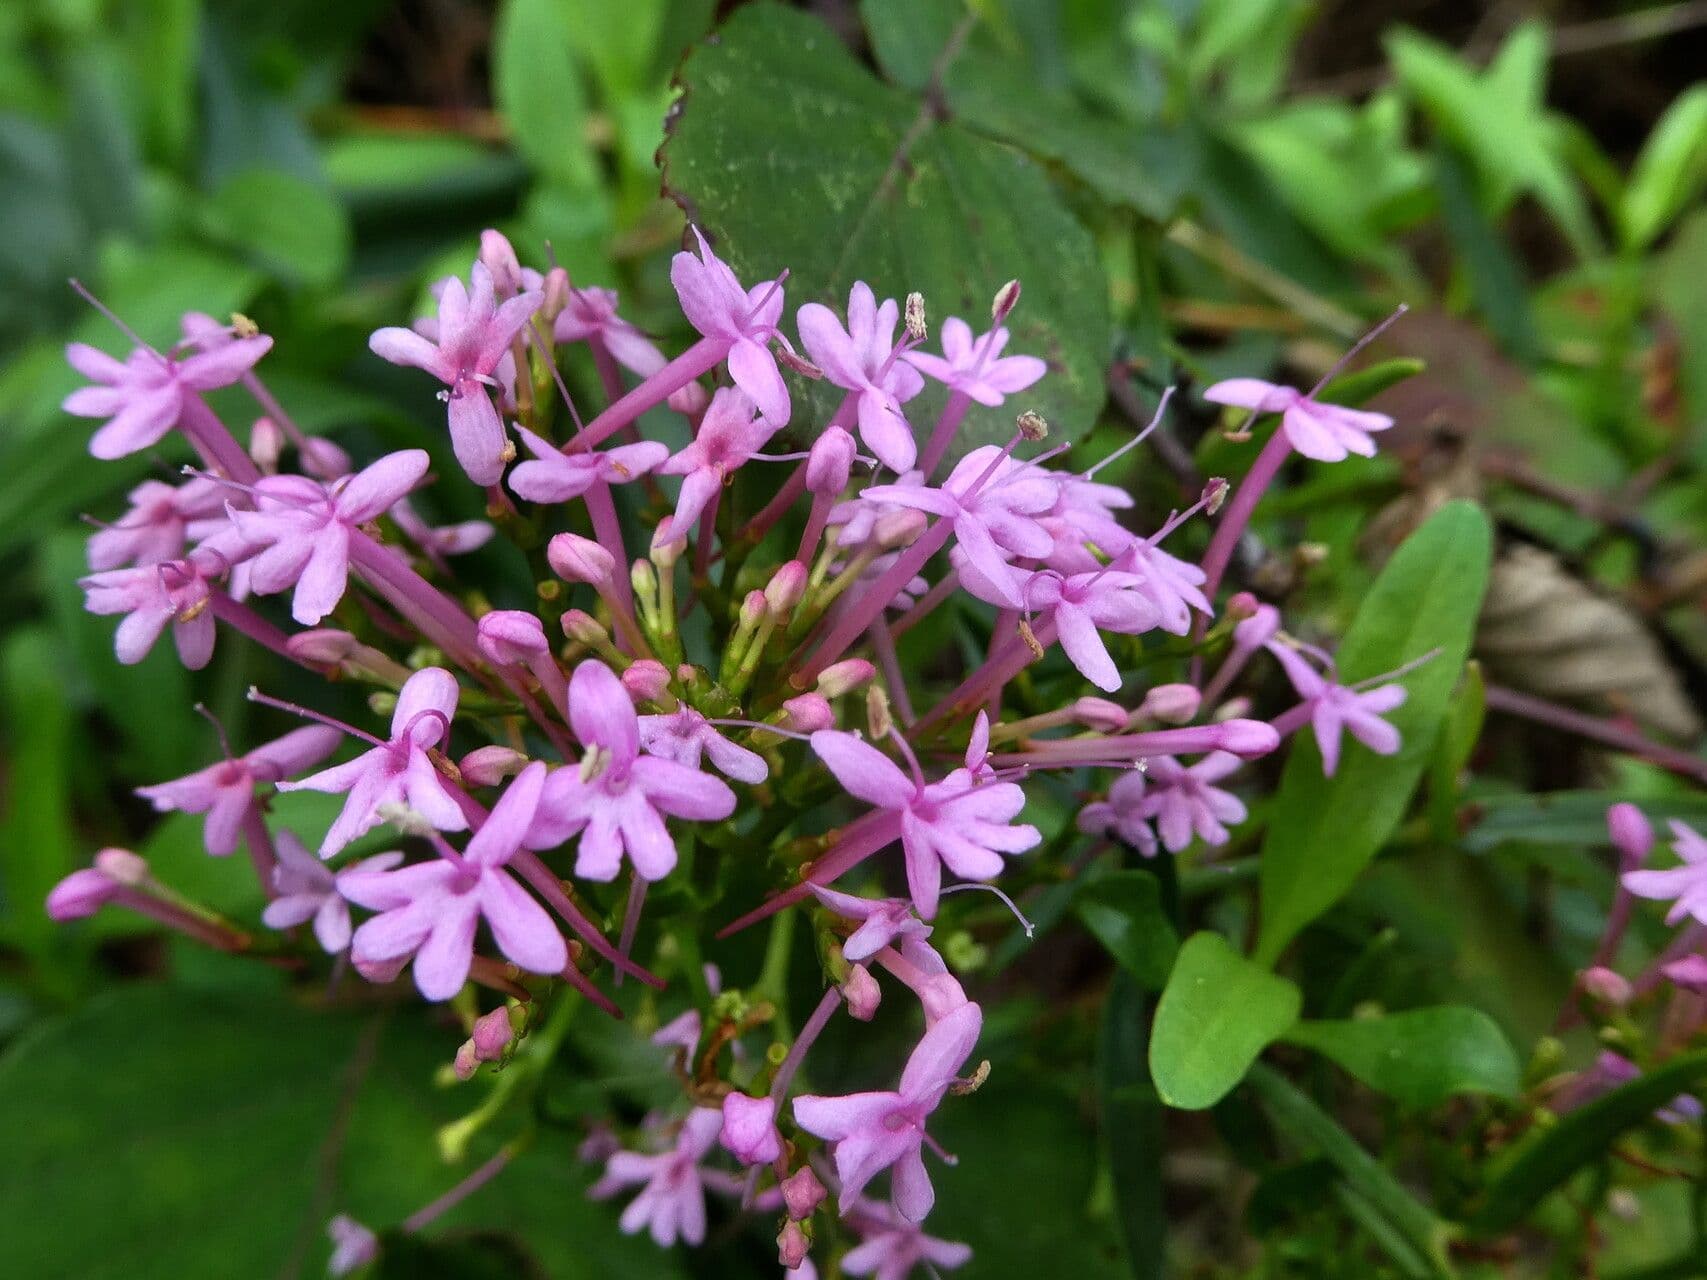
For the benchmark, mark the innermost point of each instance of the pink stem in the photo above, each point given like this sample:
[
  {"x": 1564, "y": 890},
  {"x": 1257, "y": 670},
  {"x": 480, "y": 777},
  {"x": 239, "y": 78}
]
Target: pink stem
[
  {"x": 925, "y": 604},
  {"x": 1240, "y": 507},
  {"x": 696, "y": 360},
  {"x": 860, "y": 839},
  {"x": 883, "y": 646},
  {"x": 210, "y": 934},
  {"x": 797, "y": 1051},
  {"x": 607, "y": 530},
  {"x": 244, "y": 620},
  {"x": 706, "y": 535},
  {"x": 942, "y": 435},
  {"x": 1543, "y": 712},
  {"x": 630, "y": 921},
  {"x": 457, "y": 1194},
  {"x": 217, "y": 445},
  {"x": 997, "y": 670},
  {"x": 816, "y": 519}
]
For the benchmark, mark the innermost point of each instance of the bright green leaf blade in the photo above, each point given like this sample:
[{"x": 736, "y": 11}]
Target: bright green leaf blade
[
  {"x": 1669, "y": 171},
  {"x": 287, "y": 225},
  {"x": 1420, "y": 1057},
  {"x": 1219, "y": 1011},
  {"x": 1549, "y": 1159},
  {"x": 1124, "y": 911},
  {"x": 791, "y": 155},
  {"x": 1322, "y": 832}
]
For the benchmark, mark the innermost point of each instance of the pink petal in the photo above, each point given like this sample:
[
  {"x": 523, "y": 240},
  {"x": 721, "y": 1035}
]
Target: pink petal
[
  {"x": 938, "y": 1057},
  {"x": 864, "y": 770},
  {"x": 430, "y": 689},
  {"x": 510, "y": 820},
  {"x": 754, "y": 370},
  {"x": 372, "y": 491},
  {"x": 1252, "y": 393},
  {"x": 601, "y": 714},
  {"x": 442, "y": 963},
  {"x": 406, "y": 347},
  {"x": 521, "y": 927},
  {"x": 477, "y": 434}
]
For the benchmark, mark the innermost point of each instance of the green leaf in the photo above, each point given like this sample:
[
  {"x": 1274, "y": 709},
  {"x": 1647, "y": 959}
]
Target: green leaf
[
  {"x": 791, "y": 155},
  {"x": 291, "y": 227},
  {"x": 35, "y": 831},
  {"x": 1549, "y": 1158},
  {"x": 1322, "y": 832},
  {"x": 1124, "y": 911},
  {"x": 1132, "y": 1128},
  {"x": 1420, "y": 1057},
  {"x": 1669, "y": 171},
  {"x": 236, "y": 1127},
  {"x": 1569, "y": 817},
  {"x": 1219, "y": 1011},
  {"x": 538, "y": 88}
]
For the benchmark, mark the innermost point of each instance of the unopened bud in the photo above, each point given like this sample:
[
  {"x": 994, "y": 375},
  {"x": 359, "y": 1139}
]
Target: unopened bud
[
  {"x": 862, "y": 993},
  {"x": 266, "y": 444},
  {"x": 915, "y": 317},
  {"x": 690, "y": 399},
  {"x": 323, "y": 645},
  {"x": 1006, "y": 299},
  {"x": 1171, "y": 703},
  {"x": 324, "y": 460},
  {"x": 844, "y": 676},
  {"x": 1240, "y": 605},
  {"x": 556, "y": 294},
  {"x": 786, "y": 587},
  {"x": 466, "y": 1062},
  {"x": 792, "y": 1246},
  {"x": 802, "y": 1193},
  {"x": 647, "y": 680},
  {"x": 667, "y": 547},
  {"x": 749, "y": 1129},
  {"x": 1258, "y": 629},
  {"x": 753, "y": 609},
  {"x": 1248, "y": 739},
  {"x": 1602, "y": 984},
  {"x": 121, "y": 866},
  {"x": 499, "y": 257},
  {"x": 509, "y": 637},
  {"x": 1032, "y": 425},
  {"x": 1101, "y": 714},
  {"x": 896, "y": 529},
  {"x": 830, "y": 462},
  {"x": 581, "y": 627},
  {"x": 1214, "y": 494},
  {"x": 808, "y": 713},
  {"x": 492, "y": 1033},
  {"x": 577, "y": 559},
  {"x": 1632, "y": 834},
  {"x": 489, "y": 766},
  {"x": 644, "y": 579},
  {"x": 877, "y": 716}
]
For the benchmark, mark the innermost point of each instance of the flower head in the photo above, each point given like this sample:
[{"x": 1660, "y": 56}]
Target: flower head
[
  {"x": 151, "y": 596},
  {"x": 716, "y": 304},
  {"x": 882, "y": 921},
  {"x": 891, "y": 1247},
  {"x": 731, "y": 432},
  {"x": 862, "y": 359},
  {"x": 160, "y": 520},
  {"x": 975, "y": 367},
  {"x": 684, "y": 734},
  {"x": 224, "y": 791},
  {"x": 671, "y": 1203},
  {"x": 1325, "y": 432},
  {"x": 1336, "y": 707},
  {"x": 555, "y": 476},
  {"x": 1183, "y": 801},
  {"x": 1122, "y": 814},
  {"x": 591, "y": 313}
]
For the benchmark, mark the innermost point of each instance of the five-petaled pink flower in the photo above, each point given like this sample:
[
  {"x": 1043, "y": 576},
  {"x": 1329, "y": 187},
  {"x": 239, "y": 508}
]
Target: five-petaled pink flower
[
  {"x": 1336, "y": 707},
  {"x": 976, "y": 367},
  {"x": 964, "y": 824},
  {"x": 591, "y": 313},
  {"x": 143, "y": 395},
  {"x": 1325, "y": 432},
  {"x": 431, "y": 910},
  {"x": 874, "y": 1131},
  {"x": 671, "y": 1204},
  {"x": 1686, "y": 884},
  {"x": 224, "y": 791},
  {"x": 305, "y": 529},
  {"x": 1122, "y": 814},
  {"x": 862, "y": 359},
  {"x": 475, "y": 332},
  {"x": 716, "y": 304},
  {"x": 1183, "y": 800},
  {"x": 683, "y": 735},
  {"x": 731, "y": 432},
  {"x": 310, "y": 890},
  {"x": 617, "y": 798},
  {"x": 555, "y": 476},
  {"x": 398, "y": 772}
]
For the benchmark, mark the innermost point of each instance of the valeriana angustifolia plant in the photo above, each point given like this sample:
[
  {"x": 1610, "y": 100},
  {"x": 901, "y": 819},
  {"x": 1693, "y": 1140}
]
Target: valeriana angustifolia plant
[{"x": 551, "y": 761}]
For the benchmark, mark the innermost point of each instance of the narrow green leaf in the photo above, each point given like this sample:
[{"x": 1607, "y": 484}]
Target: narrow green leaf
[
  {"x": 1132, "y": 1127},
  {"x": 1547, "y": 1160},
  {"x": 1323, "y": 832},
  {"x": 35, "y": 831},
  {"x": 1420, "y": 1057},
  {"x": 1124, "y": 910},
  {"x": 538, "y": 88},
  {"x": 1669, "y": 171},
  {"x": 1569, "y": 817},
  {"x": 1219, "y": 1011}
]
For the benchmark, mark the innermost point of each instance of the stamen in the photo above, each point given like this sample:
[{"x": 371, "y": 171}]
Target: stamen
[
  {"x": 1397, "y": 673},
  {"x": 93, "y": 301},
  {"x": 1359, "y": 345},
  {"x": 1135, "y": 441},
  {"x": 265, "y": 700},
  {"x": 201, "y": 709},
  {"x": 1027, "y": 925}
]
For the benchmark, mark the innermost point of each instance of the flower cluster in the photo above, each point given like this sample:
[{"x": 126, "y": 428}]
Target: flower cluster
[{"x": 708, "y": 664}]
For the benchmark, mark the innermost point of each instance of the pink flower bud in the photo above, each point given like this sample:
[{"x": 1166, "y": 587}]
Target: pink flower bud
[
  {"x": 509, "y": 637},
  {"x": 80, "y": 894},
  {"x": 809, "y": 713},
  {"x": 583, "y": 628},
  {"x": 786, "y": 587},
  {"x": 121, "y": 866},
  {"x": 492, "y": 1033},
  {"x": 690, "y": 399},
  {"x": 648, "y": 680},
  {"x": 323, "y": 645},
  {"x": 1248, "y": 739},
  {"x": 667, "y": 545},
  {"x": 499, "y": 257},
  {"x": 488, "y": 766},
  {"x": 466, "y": 1062},
  {"x": 1171, "y": 703},
  {"x": 1602, "y": 984},
  {"x": 266, "y": 444},
  {"x": 577, "y": 559},
  {"x": 791, "y": 1246},
  {"x": 325, "y": 460},
  {"x": 1258, "y": 629},
  {"x": 1101, "y": 714},
  {"x": 830, "y": 463},
  {"x": 862, "y": 993},
  {"x": 844, "y": 677},
  {"x": 802, "y": 1192},
  {"x": 753, "y": 609},
  {"x": 1632, "y": 833},
  {"x": 556, "y": 293},
  {"x": 749, "y": 1129},
  {"x": 378, "y": 972},
  {"x": 1240, "y": 605},
  {"x": 1690, "y": 973}
]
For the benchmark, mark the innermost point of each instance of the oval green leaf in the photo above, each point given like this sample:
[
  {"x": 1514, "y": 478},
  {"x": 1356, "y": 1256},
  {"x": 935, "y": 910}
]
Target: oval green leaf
[{"x": 1420, "y": 1057}]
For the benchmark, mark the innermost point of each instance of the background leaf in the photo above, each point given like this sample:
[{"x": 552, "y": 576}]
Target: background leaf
[
  {"x": 1420, "y": 1057},
  {"x": 1124, "y": 910}
]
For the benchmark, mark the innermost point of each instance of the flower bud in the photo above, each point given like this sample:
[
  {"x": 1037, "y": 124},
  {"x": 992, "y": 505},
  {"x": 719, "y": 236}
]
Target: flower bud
[
  {"x": 1632, "y": 834},
  {"x": 121, "y": 866},
  {"x": 753, "y": 610},
  {"x": 877, "y": 716},
  {"x": 577, "y": 559},
  {"x": 80, "y": 894},
  {"x": 556, "y": 293},
  {"x": 896, "y": 529},
  {"x": 324, "y": 460},
  {"x": 786, "y": 587},
  {"x": 581, "y": 627},
  {"x": 844, "y": 677},
  {"x": 492, "y": 1034},
  {"x": 1101, "y": 714},
  {"x": 1171, "y": 703},
  {"x": 915, "y": 317},
  {"x": 466, "y": 1062},
  {"x": 1248, "y": 739},
  {"x": 499, "y": 257},
  {"x": 489, "y": 766},
  {"x": 325, "y": 645},
  {"x": 690, "y": 399},
  {"x": 830, "y": 462},
  {"x": 749, "y": 1129},
  {"x": 1258, "y": 629},
  {"x": 648, "y": 680},
  {"x": 1032, "y": 425},
  {"x": 644, "y": 579},
  {"x": 862, "y": 993},
  {"x": 809, "y": 713},
  {"x": 378, "y": 972},
  {"x": 266, "y": 444},
  {"x": 802, "y": 1193},
  {"x": 1240, "y": 605},
  {"x": 509, "y": 637},
  {"x": 1006, "y": 299},
  {"x": 1603, "y": 985},
  {"x": 667, "y": 547},
  {"x": 792, "y": 1246}
]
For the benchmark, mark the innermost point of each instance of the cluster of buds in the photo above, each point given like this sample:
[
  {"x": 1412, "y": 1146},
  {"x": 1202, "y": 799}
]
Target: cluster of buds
[{"x": 708, "y": 662}]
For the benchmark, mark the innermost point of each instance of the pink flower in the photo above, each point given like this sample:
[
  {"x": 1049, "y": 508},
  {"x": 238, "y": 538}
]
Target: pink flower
[
  {"x": 151, "y": 596},
  {"x": 398, "y": 772},
  {"x": 1173, "y": 585},
  {"x": 716, "y": 304},
  {"x": 554, "y": 476},
  {"x": 474, "y": 333},
  {"x": 224, "y": 791},
  {"x": 883, "y": 921},
  {"x": 353, "y": 1246},
  {"x": 976, "y": 368},
  {"x": 874, "y": 1131},
  {"x": 310, "y": 890},
  {"x": 1182, "y": 802},
  {"x": 1632, "y": 833},
  {"x": 1122, "y": 814},
  {"x": 957, "y": 822},
  {"x": 891, "y": 1247},
  {"x": 305, "y": 528},
  {"x": 617, "y": 799},
  {"x": 1325, "y": 432},
  {"x": 143, "y": 396},
  {"x": 684, "y": 734},
  {"x": 591, "y": 313},
  {"x": 861, "y": 359},
  {"x": 1335, "y": 707},
  {"x": 160, "y": 519},
  {"x": 671, "y": 1204},
  {"x": 729, "y": 435},
  {"x": 749, "y": 1129},
  {"x": 431, "y": 910},
  {"x": 88, "y": 889},
  {"x": 1686, "y": 885}
]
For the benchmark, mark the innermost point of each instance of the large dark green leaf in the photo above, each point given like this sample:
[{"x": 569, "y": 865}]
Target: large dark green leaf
[
  {"x": 791, "y": 155},
  {"x": 1219, "y": 1011},
  {"x": 1421, "y": 1057},
  {"x": 1124, "y": 911},
  {"x": 1322, "y": 832}
]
